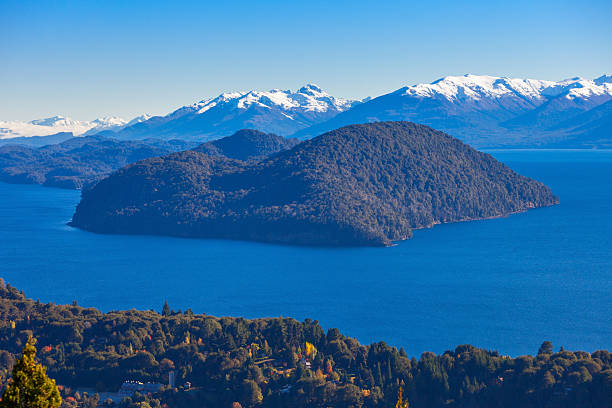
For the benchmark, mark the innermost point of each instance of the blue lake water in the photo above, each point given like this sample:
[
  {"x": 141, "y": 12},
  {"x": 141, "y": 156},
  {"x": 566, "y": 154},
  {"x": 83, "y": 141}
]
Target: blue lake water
[{"x": 504, "y": 284}]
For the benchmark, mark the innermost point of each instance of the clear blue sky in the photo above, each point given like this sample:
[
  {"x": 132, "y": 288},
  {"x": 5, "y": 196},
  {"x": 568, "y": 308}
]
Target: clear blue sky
[{"x": 88, "y": 58}]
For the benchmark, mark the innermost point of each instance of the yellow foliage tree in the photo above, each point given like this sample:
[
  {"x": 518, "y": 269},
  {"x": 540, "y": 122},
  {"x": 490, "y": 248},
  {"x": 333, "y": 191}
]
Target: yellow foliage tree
[
  {"x": 400, "y": 400},
  {"x": 311, "y": 351},
  {"x": 29, "y": 386}
]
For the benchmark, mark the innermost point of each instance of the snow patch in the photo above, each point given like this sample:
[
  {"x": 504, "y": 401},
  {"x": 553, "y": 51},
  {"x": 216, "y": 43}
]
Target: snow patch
[
  {"x": 500, "y": 90},
  {"x": 57, "y": 124}
]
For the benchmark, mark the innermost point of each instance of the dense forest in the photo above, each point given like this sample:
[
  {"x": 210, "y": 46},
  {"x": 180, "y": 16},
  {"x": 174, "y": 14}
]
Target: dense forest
[
  {"x": 280, "y": 362},
  {"x": 82, "y": 161},
  {"x": 78, "y": 161},
  {"x": 247, "y": 144},
  {"x": 359, "y": 185}
]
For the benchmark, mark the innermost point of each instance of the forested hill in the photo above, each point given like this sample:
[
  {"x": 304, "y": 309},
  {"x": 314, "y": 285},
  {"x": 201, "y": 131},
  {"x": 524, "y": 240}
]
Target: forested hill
[
  {"x": 78, "y": 161},
  {"x": 82, "y": 161},
  {"x": 365, "y": 184},
  {"x": 280, "y": 362},
  {"x": 247, "y": 144}
]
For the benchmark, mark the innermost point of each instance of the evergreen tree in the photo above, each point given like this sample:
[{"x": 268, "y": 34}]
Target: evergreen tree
[
  {"x": 165, "y": 309},
  {"x": 379, "y": 377},
  {"x": 29, "y": 386},
  {"x": 546, "y": 348},
  {"x": 251, "y": 393}
]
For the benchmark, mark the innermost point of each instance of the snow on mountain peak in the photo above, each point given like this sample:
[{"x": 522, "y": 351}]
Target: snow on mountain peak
[
  {"x": 476, "y": 87},
  {"x": 471, "y": 87},
  {"x": 604, "y": 79},
  {"x": 109, "y": 121},
  {"x": 579, "y": 88},
  {"x": 308, "y": 98},
  {"x": 58, "y": 124},
  {"x": 57, "y": 120},
  {"x": 138, "y": 119},
  {"x": 311, "y": 89},
  {"x": 310, "y": 104}
]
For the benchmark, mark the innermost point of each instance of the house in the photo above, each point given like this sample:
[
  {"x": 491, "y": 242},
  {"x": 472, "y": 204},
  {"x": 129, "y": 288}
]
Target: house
[
  {"x": 129, "y": 388},
  {"x": 306, "y": 363}
]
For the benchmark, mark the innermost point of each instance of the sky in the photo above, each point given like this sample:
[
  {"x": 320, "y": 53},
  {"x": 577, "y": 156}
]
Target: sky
[{"x": 86, "y": 59}]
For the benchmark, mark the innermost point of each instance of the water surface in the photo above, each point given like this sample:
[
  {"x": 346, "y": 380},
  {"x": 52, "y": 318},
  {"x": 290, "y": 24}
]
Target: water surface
[{"x": 505, "y": 284}]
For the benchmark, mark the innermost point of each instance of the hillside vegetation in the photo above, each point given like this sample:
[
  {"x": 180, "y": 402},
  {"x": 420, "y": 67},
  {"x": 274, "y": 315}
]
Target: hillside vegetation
[
  {"x": 365, "y": 184},
  {"x": 280, "y": 362},
  {"x": 247, "y": 144},
  {"x": 83, "y": 161},
  {"x": 78, "y": 161}
]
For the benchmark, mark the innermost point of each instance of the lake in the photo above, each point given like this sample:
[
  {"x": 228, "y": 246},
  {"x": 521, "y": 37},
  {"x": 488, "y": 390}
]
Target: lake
[{"x": 505, "y": 284}]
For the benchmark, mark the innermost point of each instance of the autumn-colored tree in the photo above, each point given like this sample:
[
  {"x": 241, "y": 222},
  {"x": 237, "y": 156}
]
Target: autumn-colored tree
[
  {"x": 328, "y": 367},
  {"x": 400, "y": 400},
  {"x": 311, "y": 351},
  {"x": 30, "y": 387}
]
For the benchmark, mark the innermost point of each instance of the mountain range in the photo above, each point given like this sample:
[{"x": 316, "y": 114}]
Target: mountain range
[
  {"x": 276, "y": 111},
  {"x": 62, "y": 125},
  {"x": 484, "y": 111},
  {"x": 487, "y": 111}
]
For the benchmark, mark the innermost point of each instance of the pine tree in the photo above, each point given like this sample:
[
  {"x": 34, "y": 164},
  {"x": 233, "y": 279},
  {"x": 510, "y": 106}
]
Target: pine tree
[
  {"x": 545, "y": 348},
  {"x": 30, "y": 387},
  {"x": 166, "y": 309}
]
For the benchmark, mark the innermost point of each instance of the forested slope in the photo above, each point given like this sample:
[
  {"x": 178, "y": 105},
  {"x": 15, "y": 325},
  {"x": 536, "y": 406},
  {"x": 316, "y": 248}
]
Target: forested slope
[
  {"x": 359, "y": 185},
  {"x": 280, "y": 362}
]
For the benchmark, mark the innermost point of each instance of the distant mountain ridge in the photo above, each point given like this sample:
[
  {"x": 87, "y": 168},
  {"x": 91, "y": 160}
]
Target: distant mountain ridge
[
  {"x": 277, "y": 111},
  {"x": 38, "y": 141},
  {"x": 59, "y": 124},
  {"x": 486, "y": 111},
  {"x": 364, "y": 184}
]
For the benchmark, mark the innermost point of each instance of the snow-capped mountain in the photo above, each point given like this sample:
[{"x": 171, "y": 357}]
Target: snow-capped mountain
[
  {"x": 483, "y": 110},
  {"x": 139, "y": 119},
  {"x": 41, "y": 127},
  {"x": 309, "y": 98},
  {"x": 483, "y": 87},
  {"x": 474, "y": 88},
  {"x": 276, "y": 111},
  {"x": 58, "y": 124},
  {"x": 106, "y": 123}
]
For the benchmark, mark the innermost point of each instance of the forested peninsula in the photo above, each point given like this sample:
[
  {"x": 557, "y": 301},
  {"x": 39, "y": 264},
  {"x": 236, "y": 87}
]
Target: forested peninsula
[
  {"x": 82, "y": 161},
  {"x": 368, "y": 184},
  {"x": 78, "y": 161}
]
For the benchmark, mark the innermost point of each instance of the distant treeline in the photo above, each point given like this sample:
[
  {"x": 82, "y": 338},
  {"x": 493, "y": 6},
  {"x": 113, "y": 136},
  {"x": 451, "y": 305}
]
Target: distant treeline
[
  {"x": 280, "y": 362},
  {"x": 81, "y": 161},
  {"x": 78, "y": 161}
]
